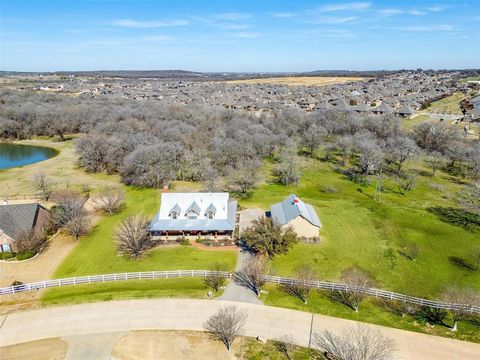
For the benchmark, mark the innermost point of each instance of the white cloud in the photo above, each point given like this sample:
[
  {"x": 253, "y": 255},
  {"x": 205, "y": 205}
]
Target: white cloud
[
  {"x": 149, "y": 24},
  {"x": 426, "y": 28},
  {"x": 332, "y": 20},
  {"x": 233, "y": 16},
  {"x": 345, "y": 7},
  {"x": 437, "y": 8}
]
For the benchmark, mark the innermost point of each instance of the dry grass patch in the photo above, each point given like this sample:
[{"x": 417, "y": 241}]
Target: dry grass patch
[
  {"x": 49, "y": 349},
  {"x": 299, "y": 80}
]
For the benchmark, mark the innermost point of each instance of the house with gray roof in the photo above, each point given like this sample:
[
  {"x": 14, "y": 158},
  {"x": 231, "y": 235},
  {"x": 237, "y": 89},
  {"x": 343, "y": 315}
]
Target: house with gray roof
[
  {"x": 15, "y": 218},
  {"x": 200, "y": 214},
  {"x": 293, "y": 212}
]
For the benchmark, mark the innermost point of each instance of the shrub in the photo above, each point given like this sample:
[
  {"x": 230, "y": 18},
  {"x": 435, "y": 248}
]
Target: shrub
[
  {"x": 329, "y": 189},
  {"x": 25, "y": 255},
  {"x": 466, "y": 219},
  {"x": 183, "y": 240},
  {"x": 6, "y": 255}
]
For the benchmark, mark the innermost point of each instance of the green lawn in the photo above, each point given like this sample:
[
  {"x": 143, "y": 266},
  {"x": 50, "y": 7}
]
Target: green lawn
[
  {"x": 369, "y": 312},
  {"x": 448, "y": 105},
  {"x": 96, "y": 254},
  {"x": 371, "y": 235}
]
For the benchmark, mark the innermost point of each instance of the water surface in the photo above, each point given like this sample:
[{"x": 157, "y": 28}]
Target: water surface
[{"x": 13, "y": 155}]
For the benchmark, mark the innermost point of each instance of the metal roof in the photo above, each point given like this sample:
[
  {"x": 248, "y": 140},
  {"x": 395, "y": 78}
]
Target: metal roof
[
  {"x": 291, "y": 208},
  {"x": 219, "y": 204}
]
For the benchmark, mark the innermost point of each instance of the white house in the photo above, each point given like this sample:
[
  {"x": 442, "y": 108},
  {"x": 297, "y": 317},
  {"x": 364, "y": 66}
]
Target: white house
[{"x": 195, "y": 214}]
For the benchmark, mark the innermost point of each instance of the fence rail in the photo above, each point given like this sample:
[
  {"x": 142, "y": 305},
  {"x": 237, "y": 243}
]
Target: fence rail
[{"x": 149, "y": 275}]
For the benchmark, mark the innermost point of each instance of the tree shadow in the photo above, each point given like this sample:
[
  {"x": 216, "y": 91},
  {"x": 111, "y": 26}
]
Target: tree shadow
[{"x": 461, "y": 263}]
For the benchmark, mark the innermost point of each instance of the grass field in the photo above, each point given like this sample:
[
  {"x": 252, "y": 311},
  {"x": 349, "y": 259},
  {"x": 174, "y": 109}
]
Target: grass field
[
  {"x": 61, "y": 169},
  {"x": 371, "y": 235},
  {"x": 299, "y": 80},
  {"x": 369, "y": 312},
  {"x": 448, "y": 105}
]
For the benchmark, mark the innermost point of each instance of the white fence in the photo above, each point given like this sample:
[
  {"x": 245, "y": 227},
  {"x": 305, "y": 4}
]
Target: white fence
[{"x": 149, "y": 275}]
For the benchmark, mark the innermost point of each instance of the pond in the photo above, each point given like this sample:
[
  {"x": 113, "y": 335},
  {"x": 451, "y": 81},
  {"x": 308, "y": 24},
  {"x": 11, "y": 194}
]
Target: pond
[{"x": 13, "y": 155}]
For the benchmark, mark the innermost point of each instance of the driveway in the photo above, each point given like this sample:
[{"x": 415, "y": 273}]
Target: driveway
[
  {"x": 190, "y": 314},
  {"x": 234, "y": 292}
]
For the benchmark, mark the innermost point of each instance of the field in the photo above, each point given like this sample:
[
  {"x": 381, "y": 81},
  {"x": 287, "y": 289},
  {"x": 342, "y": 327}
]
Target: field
[
  {"x": 299, "y": 80},
  {"x": 372, "y": 235}
]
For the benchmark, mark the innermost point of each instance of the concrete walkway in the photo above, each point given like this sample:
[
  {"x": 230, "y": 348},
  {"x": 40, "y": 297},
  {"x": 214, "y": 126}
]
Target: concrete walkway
[
  {"x": 78, "y": 323},
  {"x": 234, "y": 292}
]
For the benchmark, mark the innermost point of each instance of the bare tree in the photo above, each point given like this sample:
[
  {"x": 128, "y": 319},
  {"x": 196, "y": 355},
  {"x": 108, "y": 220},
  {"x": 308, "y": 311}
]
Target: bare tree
[
  {"x": 29, "y": 240},
  {"x": 43, "y": 184},
  {"x": 226, "y": 325},
  {"x": 434, "y": 160},
  {"x": 398, "y": 307},
  {"x": 356, "y": 286},
  {"x": 252, "y": 274},
  {"x": 360, "y": 342},
  {"x": 287, "y": 171},
  {"x": 133, "y": 238},
  {"x": 301, "y": 290},
  {"x": 110, "y": 201},
  {"x": 215, "y": 280},
  {"x": 460, "y": 296},
  {"x": 406, "y": 184},
  {"x": 345, "y": 145},
  {"x": 285, "y": 345},
  {"x": 79, "y": 224}
]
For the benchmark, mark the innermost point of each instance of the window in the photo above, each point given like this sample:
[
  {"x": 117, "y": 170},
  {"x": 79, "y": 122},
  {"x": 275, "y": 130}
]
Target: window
[
  {"x": 192, "y": 215},
  {"x": 173, "y": 215},
  {"x": 210, "y": 215}
]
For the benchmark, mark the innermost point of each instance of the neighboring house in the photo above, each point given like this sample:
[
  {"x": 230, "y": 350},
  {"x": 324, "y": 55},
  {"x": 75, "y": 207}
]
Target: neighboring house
[
  {"x": 300, "y": 216},
  {"x": 199, "y": 214},
  {"x": 15, "y": 218}
]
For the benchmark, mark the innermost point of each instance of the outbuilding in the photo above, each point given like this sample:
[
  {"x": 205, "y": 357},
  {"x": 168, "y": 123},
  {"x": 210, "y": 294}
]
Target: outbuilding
[{"x": 300, "y": 216}]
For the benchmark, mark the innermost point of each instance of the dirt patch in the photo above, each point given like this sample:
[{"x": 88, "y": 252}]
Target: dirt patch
[
  {"x": 38, "y": 268},
  {"x": 156, "y": 344},
  {"x": 299, "y": 80},
  {"x": 49, "y": 349}
]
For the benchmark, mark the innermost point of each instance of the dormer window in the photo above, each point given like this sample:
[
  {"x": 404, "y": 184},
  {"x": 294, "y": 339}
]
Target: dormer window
[
  {"x": 192, "y": 215},
  {"x": 210, "y": 212},
  {"x": 174, "y": 212}
]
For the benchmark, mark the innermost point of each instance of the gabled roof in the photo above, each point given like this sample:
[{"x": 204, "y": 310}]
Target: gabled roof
[
  {"x": 211, "y": 209},
  {"x": 291, "y": 208},
  {"x": 175, "y": 209},
  {"x": 193, "y": 207},
  {"x": 18, "y": 217}
]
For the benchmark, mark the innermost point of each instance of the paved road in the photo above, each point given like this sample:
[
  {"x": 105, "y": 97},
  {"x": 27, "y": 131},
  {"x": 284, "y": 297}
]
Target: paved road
[
  {"x": 234, "y": 292},
  {"x": 190, "y": 314}
]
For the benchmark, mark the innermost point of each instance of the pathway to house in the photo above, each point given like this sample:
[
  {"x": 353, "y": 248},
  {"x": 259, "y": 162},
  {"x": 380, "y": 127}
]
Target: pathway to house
[
  {"x": 234, "y": 292},
  {"x": 78, "y": 324}
]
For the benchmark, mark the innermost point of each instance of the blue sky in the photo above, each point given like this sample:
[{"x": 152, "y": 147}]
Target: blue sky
[{"x": 248, "y": 35}]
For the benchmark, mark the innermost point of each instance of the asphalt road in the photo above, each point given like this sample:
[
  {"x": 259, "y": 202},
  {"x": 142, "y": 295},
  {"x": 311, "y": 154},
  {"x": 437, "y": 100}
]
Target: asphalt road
[{"x": 189, "y": 314}]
